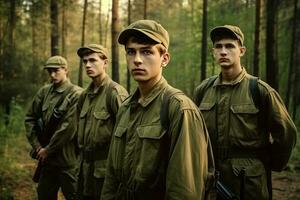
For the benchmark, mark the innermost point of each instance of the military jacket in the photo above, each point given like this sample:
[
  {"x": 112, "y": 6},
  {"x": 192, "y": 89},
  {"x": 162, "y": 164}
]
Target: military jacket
[
  {"x": 241, "y": 134},
  {"x": 61, "y": 148},
  {"x": 148, "y": 162},
  {"x": 96, "y": 118}
]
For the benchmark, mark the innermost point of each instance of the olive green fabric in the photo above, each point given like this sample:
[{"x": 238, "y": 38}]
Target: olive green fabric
[
  {"x": 148, "y": 162},
  {"x": 97, "y": 48},
  {"x": 61, "y": 149},
  {"x": 239, "y": 138},
  {"x": 56, "y": 62},
  {"x": 95, "y": 125},
  {"x": 227, "y": 30},
  {"x": 148, "y": 28}
]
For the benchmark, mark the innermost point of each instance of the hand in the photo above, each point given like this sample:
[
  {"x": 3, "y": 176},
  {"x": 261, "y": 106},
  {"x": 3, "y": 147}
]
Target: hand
[{"x": 42, "y": 154}]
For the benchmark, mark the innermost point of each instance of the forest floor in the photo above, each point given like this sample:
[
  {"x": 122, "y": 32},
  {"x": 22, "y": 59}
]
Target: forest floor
[{"x": 16, "y": 169}]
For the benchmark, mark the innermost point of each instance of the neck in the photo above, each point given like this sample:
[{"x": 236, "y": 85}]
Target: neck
[
  {"x": 146, "y": 87},
  {"x": 98, "y": 80},
  {"x": 229, "y": 74}
]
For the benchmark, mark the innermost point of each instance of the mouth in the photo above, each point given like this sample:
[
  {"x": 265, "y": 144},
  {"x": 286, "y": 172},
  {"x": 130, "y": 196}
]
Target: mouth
[
  {"x": 223, "y": 60},
  {"x": 137, "y": 71}
]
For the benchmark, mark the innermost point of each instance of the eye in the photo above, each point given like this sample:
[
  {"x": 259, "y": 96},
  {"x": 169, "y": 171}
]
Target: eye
[
  {"x": 130, "y": 52},
  {"x": 229, "y": 46},
  {"x": 218, "y": 46},
  {"x": 84, "y": 61},
  {"x": 147, "y": 52}
]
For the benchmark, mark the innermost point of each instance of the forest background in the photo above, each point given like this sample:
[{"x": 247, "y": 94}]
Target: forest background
[{"x": 33, "y": 30}]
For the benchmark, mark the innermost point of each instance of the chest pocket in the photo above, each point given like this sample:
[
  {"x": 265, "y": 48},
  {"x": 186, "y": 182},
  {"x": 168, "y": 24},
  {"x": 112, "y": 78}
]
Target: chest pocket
[
  {"x": 101, "y": 128},
  {"x": 208, "y": 112},
  {"x": 151, "y": 150},
  {"x": 244, "y": 121}
]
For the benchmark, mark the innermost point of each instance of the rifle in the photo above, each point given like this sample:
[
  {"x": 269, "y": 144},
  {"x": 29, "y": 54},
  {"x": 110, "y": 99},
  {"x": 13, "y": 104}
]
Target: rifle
[
  {"x": 224, "y": 193},
  {"x": 37, "y": 172}
]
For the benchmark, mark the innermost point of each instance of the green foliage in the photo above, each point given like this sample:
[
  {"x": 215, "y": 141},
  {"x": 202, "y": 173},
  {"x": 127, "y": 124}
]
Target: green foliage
[{"x": 15, "y": 119}]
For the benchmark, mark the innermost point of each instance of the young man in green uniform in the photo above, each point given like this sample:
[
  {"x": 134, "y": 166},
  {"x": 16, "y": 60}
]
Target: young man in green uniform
[
  {"x": 249, "y": 138},
  {"x": 147, "y": 160},
  {"x": 54, "y": 106},
  {"x": 97, "y": 110}
]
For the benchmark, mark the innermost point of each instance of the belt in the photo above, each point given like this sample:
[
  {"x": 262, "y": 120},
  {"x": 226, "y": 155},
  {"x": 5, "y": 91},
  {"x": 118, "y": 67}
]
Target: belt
[
  {"x": 227, "y": 153},
  {"x": 93, "y": 154}
]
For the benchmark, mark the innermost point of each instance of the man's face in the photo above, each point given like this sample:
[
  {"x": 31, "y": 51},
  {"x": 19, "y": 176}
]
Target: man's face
[
  {"x": 145, "y": 61},
  {"x": 227, "y": 52},
  {"x": 57, "y": 75},
  {"x": 94, "y": 65}
]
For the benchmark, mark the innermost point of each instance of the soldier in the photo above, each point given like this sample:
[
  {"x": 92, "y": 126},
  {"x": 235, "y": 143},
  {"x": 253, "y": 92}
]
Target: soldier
[
  {"x": 97, "y": 109},
  {"x": 54, "y": 143},
  {"x": 246, "y": 119},
  {"x": 150, "y": 159}
]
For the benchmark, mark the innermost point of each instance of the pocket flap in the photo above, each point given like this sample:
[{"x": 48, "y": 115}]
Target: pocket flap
[
  {"x": 206, "y": 106},
  {"x": 100, "y": 168},
  {"x": 244, "y": 108},
  {"x": 119, "y": 132},
  {"x": 83, "y": 113},
  {"x": 252, "y": 167},
  {"x": 101, "y": 115},
  {"x": 151, "y": 131}
]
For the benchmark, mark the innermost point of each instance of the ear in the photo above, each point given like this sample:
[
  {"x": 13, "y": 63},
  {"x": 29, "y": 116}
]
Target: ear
[
  {"x": 165, "y": 59},
  {"x": 242, "y": 50},
  {"x": 105, "y": 63},
  {"x": 213, "y": 52}
]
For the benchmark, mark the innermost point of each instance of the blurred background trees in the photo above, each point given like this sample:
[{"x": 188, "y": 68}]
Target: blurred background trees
[{"x": 33, "y": 30}]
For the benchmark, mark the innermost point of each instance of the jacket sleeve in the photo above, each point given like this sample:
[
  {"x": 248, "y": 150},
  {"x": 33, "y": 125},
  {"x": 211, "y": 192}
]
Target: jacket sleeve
[
  {"x": 283, "y": 131},
  {"x": 110, "y": 185},
  {"x": 187, "y": 168},
  {"x": 119, "y": 94},
  {"x": 31, "y": 118},
  {"x": 67, "y": 127}
]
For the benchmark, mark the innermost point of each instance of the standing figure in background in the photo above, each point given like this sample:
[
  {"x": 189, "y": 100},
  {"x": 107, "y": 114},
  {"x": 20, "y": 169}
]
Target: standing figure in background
[
  {"x": 51, "y": 131},
  {"x": 249, "y": 126},
  {"x": 97, "y": 110}
]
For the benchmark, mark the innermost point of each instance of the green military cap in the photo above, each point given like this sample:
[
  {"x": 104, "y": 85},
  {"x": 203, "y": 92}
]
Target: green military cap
[
  {"x": 96, "y": 48},
  {"x": 227, "y": 30},
  {"x": 149, "y": 28},
  {"x": 56, "y": 62}
]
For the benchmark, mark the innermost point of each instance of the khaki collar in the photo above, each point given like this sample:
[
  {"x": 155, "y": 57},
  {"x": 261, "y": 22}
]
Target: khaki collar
[
  {"x": 62, "y": 87},
  {"x": 92, "y": 90},
  {"x": 156, "y": 90},
  {"x": 237, "y": 80}
]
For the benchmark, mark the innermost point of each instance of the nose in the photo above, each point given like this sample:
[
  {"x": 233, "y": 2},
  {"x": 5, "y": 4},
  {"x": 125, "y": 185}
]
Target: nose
[
  {"x": 137, "y": 59},
  {"x": 223, "y": 51},
  {"x": 52, "y": 74}
]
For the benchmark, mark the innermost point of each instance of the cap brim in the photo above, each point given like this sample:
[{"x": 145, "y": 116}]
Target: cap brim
[
  {"x": 222, "y": 31},
  {"x": 126, "y": 34},
  {"x": 81, "y": 50},
  {"x": 51, "y": 66}
]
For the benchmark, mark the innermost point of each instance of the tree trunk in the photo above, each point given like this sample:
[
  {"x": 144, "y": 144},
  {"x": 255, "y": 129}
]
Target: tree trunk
[
  {"x": 82, "y": 41},
  {"x": 291, "y": 74},
  {"x": 256, "y": 38},
  {"x": 128, "y": 22},
  {"x": 8, "y": 64},
  {"x": 296, "y": 50},
  {"x": 100, "y": 22},
  {"x": 114, "y": 43},
  {"x": 145, "y": 9},
  {"x": 63, "y": 29},
  {"x": 54, "y": 27},
  {"x": 204, "y": 41},
  {"x": 271, "y": 61}
]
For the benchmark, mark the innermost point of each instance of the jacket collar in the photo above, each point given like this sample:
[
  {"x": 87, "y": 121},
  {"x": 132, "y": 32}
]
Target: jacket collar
[
  {"x": 156, "y": 91},
  {"x": 237, "y": 80},
  {"x": 62, "y": 87}
]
